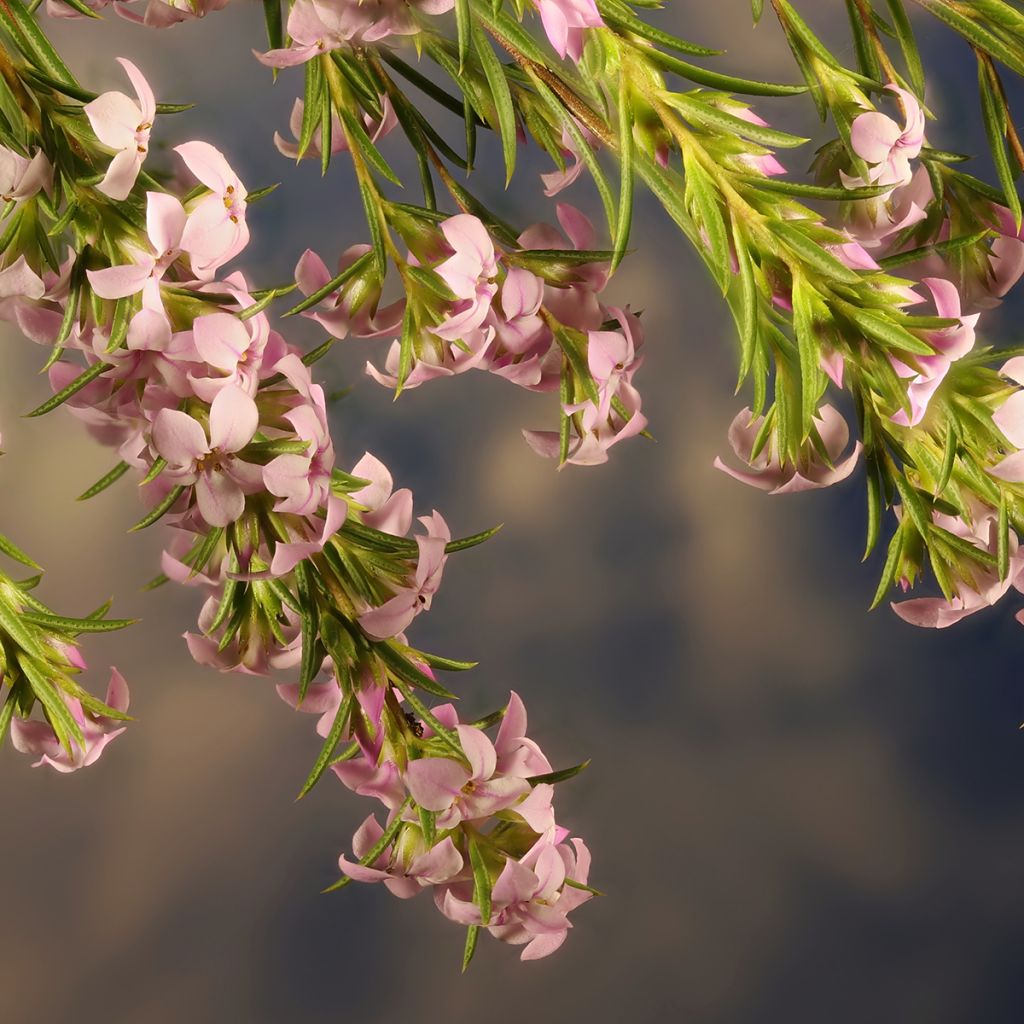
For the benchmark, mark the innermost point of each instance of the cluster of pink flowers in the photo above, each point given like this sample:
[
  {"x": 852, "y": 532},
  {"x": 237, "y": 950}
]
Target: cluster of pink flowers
[
  {"x": 503, "y": 318},
  {"x": 37, "y": 738},
  {"x": 319, "y": 26},
  {"x": 438, "y": 804},
  {"x": 158, "y": 13}
]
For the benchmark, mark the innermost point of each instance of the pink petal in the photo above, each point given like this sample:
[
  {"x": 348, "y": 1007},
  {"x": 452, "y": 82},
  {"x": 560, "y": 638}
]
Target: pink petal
[
  {"x": 178, "y": 437},
  {"x": 147, "y": 102},
  {"x": 435, "y": 782},
  {"x": 220, "y": 499},
  {"x": 165, "y": 221},
  {"x": 233, "y": 419},
  {"x": 117, "y": 282}
]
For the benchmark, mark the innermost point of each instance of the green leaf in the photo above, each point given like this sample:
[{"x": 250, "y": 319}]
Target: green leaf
[
  {"x": 463, "y": 28},
  {"x": 357, "y": 137},
  {"x": 914, "y": 505},
  {"x": 563, "y": 775},
  {"x": 327, "y": 750},
  {"x": 275, "y": 24},
  {"x": 805, "y": 310},
  {"x": 332, "y": 286},
  {"x": 495, "y": 75},
  {"x": 624, "y": 218},
  {"x": 802, "y": 191},
  {"x": 694, "y": 109},
  {"x": 715, "y": 80},
  {"x": 948, "y": 457},
  {"x": 310, "y": 612},
  {"x": 446, "y": 664},
  {"x": 312, "y": 106},
  {"x": 813, "y": 254},
  {"x": 84, "y": 378},
  {"x": 747, "y": 315},
  {"x": 160, "y": 510},
  {"x": 378, "y": 847},
  {"x": 908, "y": 45},
  {"x": 977, "y": 34},
  {"x": 892, "y": 561},
  {"x": 888, "y": 334},
  {"x": 582, "y": 146},
  {"x": 473, "y": 540},
  {"x": 406, "y": 670},
  {"x": 936, "y": 248},
  {"x": 757, "y": 9},
  {"x": 32, "y": 42},
  {"x": 1003, "y": 539},
  {"x": 70, "y": 625},
  {"x": 472, "y": 934},
  {"x": 618, "y": 14},
  {"x": 7, "y": 713},
  {"x": 996, "y": 119},
  {"x": 11, "y": 550},
  {"x": 481, "y": 880}
]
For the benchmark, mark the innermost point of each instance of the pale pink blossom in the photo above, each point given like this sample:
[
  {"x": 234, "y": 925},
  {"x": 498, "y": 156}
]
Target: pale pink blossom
[
  {"x": 768, "y": 472},
  {"x": 455, "y": 792},
  {"x": 409, "y": 866},
  {"x": 319, "y": 26},
  {"x": 38, "y": 738},
  {"x": 376, "y": 128},
  {"x": 469, "y": 272},
  {"x": 386, "y": 510},
  {"x": 950, "y": 344},
  {"x": 165, "y": 223},
  {"x": 21, "y": 177},
  {"x": 395, "y": 615},
  {"x": 987, "y": 588},
  {"x": 565, "y": 23},
  {"x": 340, "y": 318},
  {"x": 216, "y": 230},
  {"x": 530, "y": 901},
  {"x": 221, "y": 479},
  {"x": 123, "y": 125},
  {"x": 886, "y": 147}
]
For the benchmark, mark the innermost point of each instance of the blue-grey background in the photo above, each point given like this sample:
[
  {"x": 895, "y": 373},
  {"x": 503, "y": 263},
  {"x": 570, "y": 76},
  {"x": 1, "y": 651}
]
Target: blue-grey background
[{"x": 799, "y": 811}]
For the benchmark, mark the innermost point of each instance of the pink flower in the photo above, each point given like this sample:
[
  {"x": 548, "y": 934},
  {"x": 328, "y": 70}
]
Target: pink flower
[
  {"x": 469, "y": 272},
  {"x": 988, "y": 588},
  {"x": 768, "y": 473},
  {"x": 530, "y": 901},
  {"x": 564, "y": 23},
  {"x": 764, "y": 163},
  {"x": 557, "y": 180},
  {"x": 395, "y": 616},
  {"x": 123, "y": 125},
  {"x": 303, "y": 482},
  {"x": 216, "y": 230},
  {"x": 458, "y": 793},
  {"x": 221, "y": 479},
  {"x": 317, "y": 532},
  {"x": 340, "y": 318},
  {"x": 1009, "y": 418},
  {"x": 516, "y": 753},
  {"x": 877, "y": 223},
  {"x": 410, "y": 865},
  {"x": 376, "y": 129},
  {"x": 165, "y": 223},
  {"x": 319, "y": 26},
  {"x": 884, "y": 145},
  {"x": 38, "y": 738},
  {"x": 950, "y": 343},
  {"x": 21, "y": 178},
  {"x": 385, "y": 510}
]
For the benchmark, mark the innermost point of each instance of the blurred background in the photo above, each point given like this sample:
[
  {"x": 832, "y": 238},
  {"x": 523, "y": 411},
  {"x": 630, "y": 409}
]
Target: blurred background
[{"x": 799, "y": 811}]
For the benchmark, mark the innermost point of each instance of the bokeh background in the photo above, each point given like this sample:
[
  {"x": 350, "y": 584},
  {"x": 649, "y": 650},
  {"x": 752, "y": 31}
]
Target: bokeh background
[{"x": 799, "y": 811}]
